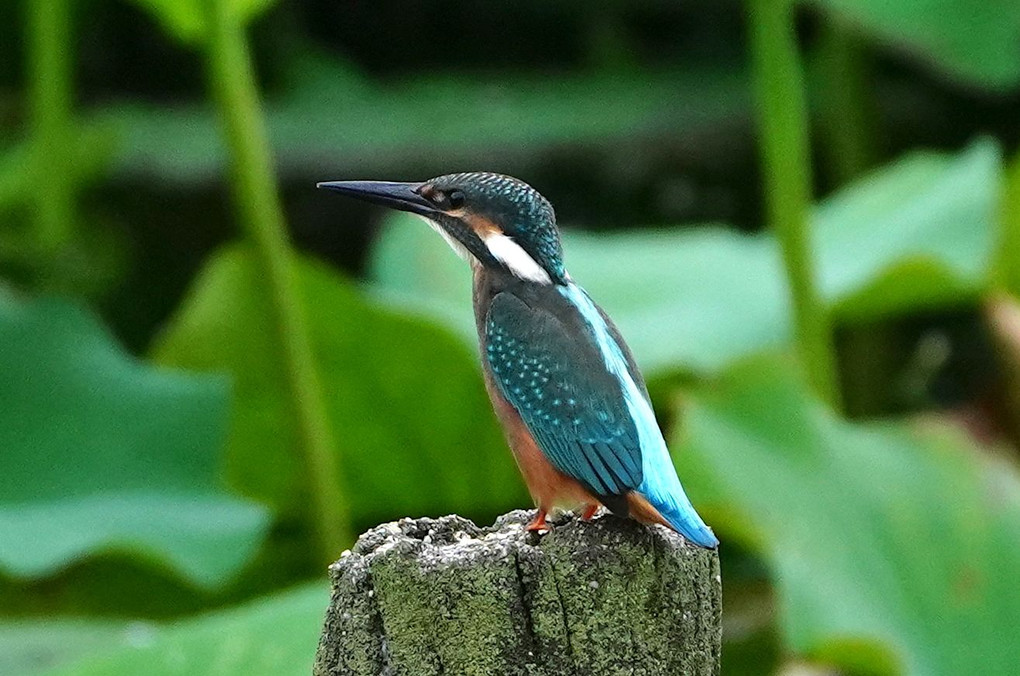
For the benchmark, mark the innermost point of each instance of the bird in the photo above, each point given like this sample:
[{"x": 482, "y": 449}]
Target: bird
[{"x": 562, "y": 381}]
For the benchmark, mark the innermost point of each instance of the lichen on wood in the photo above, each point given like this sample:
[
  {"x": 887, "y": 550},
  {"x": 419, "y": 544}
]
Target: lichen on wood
[{"x": 443, "y": 596}]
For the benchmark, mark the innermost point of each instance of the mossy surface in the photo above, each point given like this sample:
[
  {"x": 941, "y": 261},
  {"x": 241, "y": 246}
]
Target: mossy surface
[{"x": 422, "y": 597}]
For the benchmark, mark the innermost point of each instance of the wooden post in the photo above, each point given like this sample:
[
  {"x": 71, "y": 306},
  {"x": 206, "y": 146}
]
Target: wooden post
[{"x": 443, "y": 596}]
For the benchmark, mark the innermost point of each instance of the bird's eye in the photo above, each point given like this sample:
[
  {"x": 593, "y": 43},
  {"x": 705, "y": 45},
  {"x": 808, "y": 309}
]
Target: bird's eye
[{"x": 455, "y": 199}]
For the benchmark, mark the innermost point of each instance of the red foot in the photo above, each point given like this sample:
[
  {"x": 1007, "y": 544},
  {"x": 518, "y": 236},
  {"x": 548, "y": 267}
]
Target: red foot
[
  {"x": 538, "y": 523},
  {"x": 589, "y": 512}
]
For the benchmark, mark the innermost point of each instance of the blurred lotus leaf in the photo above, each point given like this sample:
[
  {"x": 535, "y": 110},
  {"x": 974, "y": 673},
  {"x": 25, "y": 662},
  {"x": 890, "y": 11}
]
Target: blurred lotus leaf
[
  {"x": 92, "y": 147},
  {"x": 977, "y": 42},
  {"x": 917, "y": 233},
  {"x": 272, "y": 635},
  {"x": 893, "y": 547},
  {"x": 185, "y": 19},
  {"x": 102, "y": 454},
  {"x": 29, "y": 646},
  {"x": 415, "y": 432},
  {"x": 331, "y": 121}
]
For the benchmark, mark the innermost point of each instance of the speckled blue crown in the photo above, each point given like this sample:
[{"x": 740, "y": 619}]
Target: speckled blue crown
[{"x": 523, "y": 213}]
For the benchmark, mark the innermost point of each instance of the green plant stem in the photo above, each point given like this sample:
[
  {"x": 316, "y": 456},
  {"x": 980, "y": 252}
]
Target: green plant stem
[
  {"x": 848, "y": 127},
  {"x": 233, "y": 85},
  {"x": 1001, "y": 305},
  {"x": 783, "y": 128},
  {"x": 1007, "y": 269},
  {"x": 50, "y": 102},
  {"x": 847, "y": 106}
]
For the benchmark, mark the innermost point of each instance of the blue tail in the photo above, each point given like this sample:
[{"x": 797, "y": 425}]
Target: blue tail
[
  {"x": 660, "y": 484},
  {"x": 677, "y": 509}
]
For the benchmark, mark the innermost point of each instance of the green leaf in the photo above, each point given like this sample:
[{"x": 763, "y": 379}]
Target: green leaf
[
  {"x": 89, "y": 262},
  {"x": 903, "y": 539},
  {"x": 91, "y": 152},
  {"x": 272, "y": 636},
  {"x": 415, "y": 431},
  {"x": 30, "y": 646},
  {"x": 15, "y": 175},
  {"x": 977, "y": 42},
  {"x": 919, "y": 233},
  {"x": 101, "y": 453},
  {"x": 331, "y": 122},
  {"x": 185, "y": 19}
]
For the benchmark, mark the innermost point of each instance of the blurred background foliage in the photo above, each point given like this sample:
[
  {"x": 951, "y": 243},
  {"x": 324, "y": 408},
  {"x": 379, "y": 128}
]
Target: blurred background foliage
[{"x": 805, "y": 219}]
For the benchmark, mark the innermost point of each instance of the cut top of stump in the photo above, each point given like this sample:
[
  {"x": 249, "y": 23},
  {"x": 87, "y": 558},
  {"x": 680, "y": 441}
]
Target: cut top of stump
[{"x": 443, "y": 596}]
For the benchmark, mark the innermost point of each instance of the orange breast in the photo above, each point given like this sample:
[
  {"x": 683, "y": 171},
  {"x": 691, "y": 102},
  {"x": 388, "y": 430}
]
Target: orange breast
[{"x": 548, "y": 486}]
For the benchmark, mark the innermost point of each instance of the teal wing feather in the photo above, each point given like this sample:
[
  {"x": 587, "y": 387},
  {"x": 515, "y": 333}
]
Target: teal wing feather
[{"x": 549, "y": 368}]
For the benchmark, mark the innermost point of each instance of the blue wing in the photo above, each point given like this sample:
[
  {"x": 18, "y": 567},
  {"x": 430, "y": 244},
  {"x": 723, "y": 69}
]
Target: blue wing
[
  {"x": 557, "y": 381},
  {"x": 562, "y": 365}
]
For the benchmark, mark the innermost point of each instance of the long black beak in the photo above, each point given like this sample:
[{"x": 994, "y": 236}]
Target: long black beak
[{"x": 401, "y": 196}]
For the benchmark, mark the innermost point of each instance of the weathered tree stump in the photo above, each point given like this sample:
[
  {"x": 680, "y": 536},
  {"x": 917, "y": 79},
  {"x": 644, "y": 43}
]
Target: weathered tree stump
[{"x": 443, "y": 596}]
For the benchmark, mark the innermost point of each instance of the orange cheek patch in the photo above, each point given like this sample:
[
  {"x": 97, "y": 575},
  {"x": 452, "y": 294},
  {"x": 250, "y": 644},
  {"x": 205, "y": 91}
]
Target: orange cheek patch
[{"x": 481, "y": 225}]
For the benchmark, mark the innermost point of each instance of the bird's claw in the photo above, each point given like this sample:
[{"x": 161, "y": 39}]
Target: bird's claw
[{"x": 539, "y": 523}]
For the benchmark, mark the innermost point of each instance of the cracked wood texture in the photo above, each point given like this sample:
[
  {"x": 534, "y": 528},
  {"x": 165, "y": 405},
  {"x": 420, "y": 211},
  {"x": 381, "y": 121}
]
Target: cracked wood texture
[{"x": 442, "y": 596}]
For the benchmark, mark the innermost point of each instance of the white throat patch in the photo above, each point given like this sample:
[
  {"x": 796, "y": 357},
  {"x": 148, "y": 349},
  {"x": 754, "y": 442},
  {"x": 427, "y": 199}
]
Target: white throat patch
[
  {"x": 454, "y": 244},
  {"x": 503, "y": 249},
  {"x": 519, "y": 261}
]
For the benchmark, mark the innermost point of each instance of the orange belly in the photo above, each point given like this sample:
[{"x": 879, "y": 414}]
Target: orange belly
[{"x": 548, "y": 486}]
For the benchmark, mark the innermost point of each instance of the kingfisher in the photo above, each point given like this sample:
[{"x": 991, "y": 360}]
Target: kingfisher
[{"x": 563, "y": 383}]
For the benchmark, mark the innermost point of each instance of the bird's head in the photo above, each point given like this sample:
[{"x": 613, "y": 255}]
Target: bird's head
[{"x": 496, "y": 221}]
